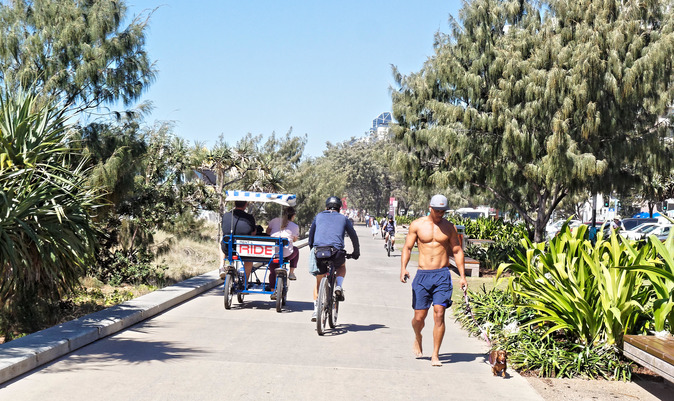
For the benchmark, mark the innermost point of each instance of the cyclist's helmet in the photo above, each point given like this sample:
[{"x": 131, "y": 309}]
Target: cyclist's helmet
[
  {"x": 333, "y": 203},
  {"x": 390, "y": 217}
]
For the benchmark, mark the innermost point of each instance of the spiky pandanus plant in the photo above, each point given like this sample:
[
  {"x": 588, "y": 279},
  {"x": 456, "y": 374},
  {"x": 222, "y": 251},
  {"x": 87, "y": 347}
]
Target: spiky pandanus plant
[{"x": 46, "y": 234}]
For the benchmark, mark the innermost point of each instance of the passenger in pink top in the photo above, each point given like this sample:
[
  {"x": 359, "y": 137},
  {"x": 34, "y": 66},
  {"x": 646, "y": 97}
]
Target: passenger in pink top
[{"x": 285, "y": 228}]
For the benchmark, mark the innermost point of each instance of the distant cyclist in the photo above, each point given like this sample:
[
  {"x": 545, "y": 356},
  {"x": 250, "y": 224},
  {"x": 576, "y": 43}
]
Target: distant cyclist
[
  {"x": 390, "y": 230},
  {"x": 327, "y": 230}
]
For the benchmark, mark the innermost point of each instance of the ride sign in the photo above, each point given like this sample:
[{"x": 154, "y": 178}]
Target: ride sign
[{"x": 255, "y": 249}]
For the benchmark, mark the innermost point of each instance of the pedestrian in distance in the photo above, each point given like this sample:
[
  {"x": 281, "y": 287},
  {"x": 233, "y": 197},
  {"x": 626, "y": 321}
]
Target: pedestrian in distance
[
  {"x": 437, "y": 240},
  {"x": 616, "y": 224},
  {"x": 375, "y": 228}
]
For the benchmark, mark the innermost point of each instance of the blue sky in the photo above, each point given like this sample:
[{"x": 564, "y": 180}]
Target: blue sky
[{"x": 320, "y": 67}]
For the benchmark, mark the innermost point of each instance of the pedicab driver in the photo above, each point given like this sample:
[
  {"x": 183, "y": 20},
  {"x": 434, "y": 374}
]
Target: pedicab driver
[
  {"x": 437, "y": 240},
  {"x": 237, "y": 222},
  {"x": 328, "y": 229}
]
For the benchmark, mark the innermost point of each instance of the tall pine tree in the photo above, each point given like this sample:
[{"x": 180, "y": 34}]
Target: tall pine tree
[
  {"x": 531, "y": 102},
  {"x": 76, "y": 51}
]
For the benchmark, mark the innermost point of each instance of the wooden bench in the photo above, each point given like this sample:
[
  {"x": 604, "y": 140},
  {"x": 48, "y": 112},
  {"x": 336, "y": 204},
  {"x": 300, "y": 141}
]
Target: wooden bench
[
  {"x": 471, "y": 266},
  {"x": 657, "y": 354}
]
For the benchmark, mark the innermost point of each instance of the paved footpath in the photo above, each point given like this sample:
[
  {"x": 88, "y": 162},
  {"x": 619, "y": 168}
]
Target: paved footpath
[{"x": 200, "y": 351}]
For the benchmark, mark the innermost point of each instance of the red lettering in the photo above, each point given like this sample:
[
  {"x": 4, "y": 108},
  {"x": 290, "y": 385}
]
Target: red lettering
[{"x": 243, "y": 249}]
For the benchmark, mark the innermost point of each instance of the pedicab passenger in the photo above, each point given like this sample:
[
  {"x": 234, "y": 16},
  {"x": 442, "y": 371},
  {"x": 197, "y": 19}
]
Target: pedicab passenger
[
  {"x": 237, "y": 222},
  {"x": 285, "y": 228},
  {"x": 260, "y": 231}
]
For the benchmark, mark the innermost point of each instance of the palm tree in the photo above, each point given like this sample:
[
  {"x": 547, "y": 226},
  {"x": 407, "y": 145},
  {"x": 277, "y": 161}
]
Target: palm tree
[{"x": 46, "y": 233}]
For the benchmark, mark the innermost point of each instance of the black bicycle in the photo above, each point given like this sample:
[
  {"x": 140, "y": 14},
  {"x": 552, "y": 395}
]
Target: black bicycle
[
  {"x": 389, "y": 245},
  {"x": 328, "y": 303}
]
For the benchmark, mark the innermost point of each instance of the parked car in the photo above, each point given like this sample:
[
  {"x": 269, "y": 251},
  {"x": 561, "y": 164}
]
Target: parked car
[
  {"x": 664, "y": 234},
  {"x": 661, "y": 230},
  {"x": 553, "y": 228},
  {"x": 640, "y": 231},
  {"x": 630, "y": 223}
]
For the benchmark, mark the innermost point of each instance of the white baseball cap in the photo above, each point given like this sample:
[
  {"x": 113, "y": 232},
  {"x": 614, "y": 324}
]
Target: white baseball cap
[{"x": 439, "y": 202}]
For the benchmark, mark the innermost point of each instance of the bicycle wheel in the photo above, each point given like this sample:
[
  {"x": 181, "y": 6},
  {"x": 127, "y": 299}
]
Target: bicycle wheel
[
  {"x": 333, "y": 312},
  {"x": 388, "y": 248},
  {"x": 279, "y": 294},
  {"x": 322, "y": 306},
  {"x": 229, "y": 290}
]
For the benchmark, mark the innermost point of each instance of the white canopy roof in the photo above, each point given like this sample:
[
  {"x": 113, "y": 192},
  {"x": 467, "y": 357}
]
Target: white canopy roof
[{"x": 281, "y": 199}]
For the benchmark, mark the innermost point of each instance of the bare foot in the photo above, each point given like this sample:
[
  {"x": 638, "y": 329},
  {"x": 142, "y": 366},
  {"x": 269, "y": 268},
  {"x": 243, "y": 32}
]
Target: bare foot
[
  {"x": 435, "y": 362},
  {"x": 416, "y": 348}
]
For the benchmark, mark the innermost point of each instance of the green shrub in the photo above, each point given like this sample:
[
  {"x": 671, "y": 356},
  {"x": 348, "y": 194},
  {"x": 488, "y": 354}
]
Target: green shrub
[
  {"x": 529, "y": 350},
  {"x": 580, "y": 287},
  {"x": 492, "y": 255},
  {"x": 406, "y": 220},
  {"x": 491, "y": 229}
]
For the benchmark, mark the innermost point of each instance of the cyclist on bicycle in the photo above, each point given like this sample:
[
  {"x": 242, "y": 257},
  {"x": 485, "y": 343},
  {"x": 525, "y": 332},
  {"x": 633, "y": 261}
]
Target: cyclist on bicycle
[
  {"x": 390, "y": 230},
  {"x": 327, "y": 230}
]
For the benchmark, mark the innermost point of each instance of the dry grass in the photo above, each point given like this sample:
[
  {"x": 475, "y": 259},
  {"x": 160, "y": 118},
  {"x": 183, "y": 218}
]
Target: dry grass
[{"x": 187, "y": 257}]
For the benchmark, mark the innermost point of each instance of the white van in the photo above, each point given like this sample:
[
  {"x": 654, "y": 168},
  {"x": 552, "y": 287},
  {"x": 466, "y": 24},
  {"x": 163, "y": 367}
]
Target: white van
[{"x": 473, "y": 214}]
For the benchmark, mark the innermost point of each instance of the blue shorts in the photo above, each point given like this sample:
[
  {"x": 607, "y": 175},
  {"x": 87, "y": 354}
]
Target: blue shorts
[{"x": 432, "y": 286}]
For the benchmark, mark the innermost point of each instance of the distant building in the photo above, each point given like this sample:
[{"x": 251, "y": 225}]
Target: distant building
[{"x": 381, "y": 125}]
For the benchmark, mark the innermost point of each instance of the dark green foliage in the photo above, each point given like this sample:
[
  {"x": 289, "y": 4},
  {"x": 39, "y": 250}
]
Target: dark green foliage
[
  {"x": 403, "y": 220},
  {"x": 491, "y": 255},
  {"x": 47, "y": 236},
  {"x": 528, "y": 349},
  {"x": 532, "y": 102},
  {"x": 563, "y": 358},
  {"x": 136, "y": 268},
  {"x": 491, "y": 229},
  {"x": 186, "y": 225},
  {"x": 75, "y": 51},
  {"x": 144, "y": 171}
]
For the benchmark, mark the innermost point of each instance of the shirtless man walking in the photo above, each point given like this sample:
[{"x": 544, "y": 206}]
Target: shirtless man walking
[{"x": 437, "y": 240}]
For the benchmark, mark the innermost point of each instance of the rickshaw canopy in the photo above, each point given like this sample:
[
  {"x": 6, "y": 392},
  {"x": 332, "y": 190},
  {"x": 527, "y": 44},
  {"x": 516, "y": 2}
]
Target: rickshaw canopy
[{"x": 281, "y": 199}]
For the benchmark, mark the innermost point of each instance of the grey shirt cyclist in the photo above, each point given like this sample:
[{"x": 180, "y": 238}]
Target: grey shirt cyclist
[{"x": 328, "y": 229}]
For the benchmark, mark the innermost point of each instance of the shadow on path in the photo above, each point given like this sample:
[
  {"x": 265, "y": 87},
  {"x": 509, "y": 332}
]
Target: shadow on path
[
  {"x": 97, "y": 356},
  {"x": 262, "y": 301},
  {"x": 346, "y": 328}
]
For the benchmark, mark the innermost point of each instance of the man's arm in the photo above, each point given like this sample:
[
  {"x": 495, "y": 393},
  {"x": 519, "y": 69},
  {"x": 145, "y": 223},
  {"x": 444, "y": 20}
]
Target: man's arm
[
  {"x": 410, "y": 240},
  {"x": 459, "y": 257},
  {"x": 354, "y": 239}
]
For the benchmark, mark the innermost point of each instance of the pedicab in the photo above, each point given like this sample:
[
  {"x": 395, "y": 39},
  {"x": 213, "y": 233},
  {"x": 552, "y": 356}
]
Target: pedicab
[{"x": 262, "y": 251}]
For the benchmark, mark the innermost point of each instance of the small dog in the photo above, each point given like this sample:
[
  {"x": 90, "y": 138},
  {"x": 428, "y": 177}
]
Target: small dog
[{"x": 498, "y": 361}]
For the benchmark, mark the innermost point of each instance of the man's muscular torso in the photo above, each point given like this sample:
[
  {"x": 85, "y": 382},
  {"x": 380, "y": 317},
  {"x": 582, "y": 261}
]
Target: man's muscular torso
[{"x": 435, "y": 242}]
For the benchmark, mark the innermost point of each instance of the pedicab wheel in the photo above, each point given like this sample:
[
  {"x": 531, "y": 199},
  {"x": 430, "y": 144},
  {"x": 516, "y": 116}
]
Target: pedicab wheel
[
  {"x": 322, "y": 307},
  {"x": 229, "y": 291},
  {"x": 285, "y": 291},
  {"x": 279, "y": 294},
  {"x": 239, "y": 297}
]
